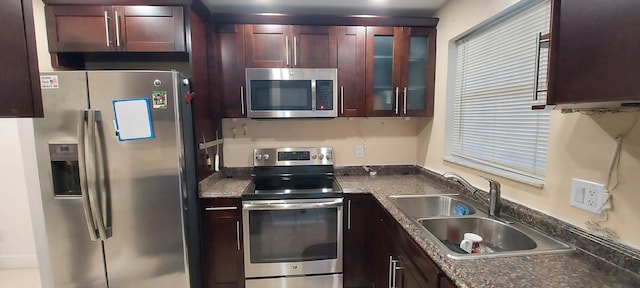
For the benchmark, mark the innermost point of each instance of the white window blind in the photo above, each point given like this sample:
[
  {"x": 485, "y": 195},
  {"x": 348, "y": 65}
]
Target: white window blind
[{"x": 493, "y": 124}]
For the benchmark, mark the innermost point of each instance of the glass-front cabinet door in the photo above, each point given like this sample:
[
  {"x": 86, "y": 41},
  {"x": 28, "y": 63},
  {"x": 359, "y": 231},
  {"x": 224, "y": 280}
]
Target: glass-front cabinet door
[
  {"x": 400, "y": 71},
  {"x": 419, "y": 72}
]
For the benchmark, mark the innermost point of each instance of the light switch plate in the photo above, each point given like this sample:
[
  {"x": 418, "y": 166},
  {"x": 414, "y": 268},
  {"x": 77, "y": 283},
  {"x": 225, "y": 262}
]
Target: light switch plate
[{"x": 590, "y": 196}]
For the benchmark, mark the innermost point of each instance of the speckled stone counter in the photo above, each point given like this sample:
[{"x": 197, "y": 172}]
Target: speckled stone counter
[{"x": 574, "y": 269}]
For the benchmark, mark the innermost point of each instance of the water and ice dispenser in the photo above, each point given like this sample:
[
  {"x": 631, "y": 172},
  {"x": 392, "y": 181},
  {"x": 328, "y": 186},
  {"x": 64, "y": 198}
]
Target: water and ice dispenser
[{"x": 65, "y": 170}]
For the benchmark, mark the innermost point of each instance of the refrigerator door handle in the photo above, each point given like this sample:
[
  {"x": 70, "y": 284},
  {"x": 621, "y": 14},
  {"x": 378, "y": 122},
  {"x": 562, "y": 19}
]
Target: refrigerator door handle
[
  {"x": 93, "y": 178},
  {"x": 88, "y": 215}
]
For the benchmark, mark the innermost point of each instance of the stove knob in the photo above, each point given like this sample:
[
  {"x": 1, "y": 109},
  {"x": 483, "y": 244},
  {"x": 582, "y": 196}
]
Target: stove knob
[
  {"x": 265, "y": 156},
  {"x": 320, "y": 156},
  {"x": 313, "y": 156},
  {"x": 328, "y": 156},
  {"x": 258, "y": 157}
]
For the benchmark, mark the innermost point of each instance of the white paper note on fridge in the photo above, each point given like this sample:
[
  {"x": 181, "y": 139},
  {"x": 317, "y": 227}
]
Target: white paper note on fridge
[{"x": 132, "y": 118}]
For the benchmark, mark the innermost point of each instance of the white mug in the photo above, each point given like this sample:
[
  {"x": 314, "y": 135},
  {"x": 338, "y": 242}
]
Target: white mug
[{"x": 471, "y": 243}]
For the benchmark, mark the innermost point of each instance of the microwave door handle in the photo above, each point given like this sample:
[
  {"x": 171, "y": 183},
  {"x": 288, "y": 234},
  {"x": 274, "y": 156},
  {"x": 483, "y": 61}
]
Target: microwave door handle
[{"x": 82, "y": 165}]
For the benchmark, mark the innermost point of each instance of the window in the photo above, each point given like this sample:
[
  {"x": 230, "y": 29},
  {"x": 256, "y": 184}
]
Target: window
[{"x": 491, "y": 125}]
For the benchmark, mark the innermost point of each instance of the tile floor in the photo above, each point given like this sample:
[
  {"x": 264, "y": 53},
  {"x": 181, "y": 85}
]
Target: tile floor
[{"x": 19, "y": 278}]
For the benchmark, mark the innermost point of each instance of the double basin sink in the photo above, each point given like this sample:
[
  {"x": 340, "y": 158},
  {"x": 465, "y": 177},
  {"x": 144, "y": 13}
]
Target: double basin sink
[{"x": 445, "y": 218}]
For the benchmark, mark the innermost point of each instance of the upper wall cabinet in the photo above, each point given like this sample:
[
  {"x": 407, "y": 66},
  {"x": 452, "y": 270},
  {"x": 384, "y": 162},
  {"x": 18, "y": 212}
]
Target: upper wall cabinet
[
  {"x": 292, "y": 46},
  {"x": 227, "y": 42},
  {"x": 594, "y": 60},
  {"x": 400, "y": 71},
  {"x": 19, "y": 79},
  {"x": 88, "y": 28},
  {"x": 351, "y": 67}
]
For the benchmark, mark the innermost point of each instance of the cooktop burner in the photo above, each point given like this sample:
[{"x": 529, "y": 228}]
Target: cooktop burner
[{"x": 283, "y": 173}]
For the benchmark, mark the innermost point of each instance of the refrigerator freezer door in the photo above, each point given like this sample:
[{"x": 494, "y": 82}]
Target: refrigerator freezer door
[
  {"x": 142, "y": 182},
  {"x": 76, "y": 261}
]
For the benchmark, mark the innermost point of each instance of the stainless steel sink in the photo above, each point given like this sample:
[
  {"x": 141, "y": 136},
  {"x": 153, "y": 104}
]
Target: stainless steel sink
[
  {"x": 425, "y": 206},
  {"x": 435, "y": 216}
]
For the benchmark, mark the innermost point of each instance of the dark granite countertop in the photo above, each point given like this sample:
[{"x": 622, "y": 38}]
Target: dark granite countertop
[{"x": 574, "y": 269}]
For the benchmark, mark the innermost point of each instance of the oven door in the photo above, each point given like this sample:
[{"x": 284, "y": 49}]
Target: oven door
[{"x": 292, "y": 237}]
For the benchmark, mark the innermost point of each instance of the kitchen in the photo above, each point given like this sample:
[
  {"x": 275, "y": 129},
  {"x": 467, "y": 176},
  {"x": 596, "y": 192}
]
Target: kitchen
[{"x": 581, "y": 146}]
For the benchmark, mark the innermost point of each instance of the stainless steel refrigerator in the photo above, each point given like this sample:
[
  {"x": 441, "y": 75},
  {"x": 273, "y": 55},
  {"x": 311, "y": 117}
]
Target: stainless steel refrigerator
[{"x": 116, "y": 165}]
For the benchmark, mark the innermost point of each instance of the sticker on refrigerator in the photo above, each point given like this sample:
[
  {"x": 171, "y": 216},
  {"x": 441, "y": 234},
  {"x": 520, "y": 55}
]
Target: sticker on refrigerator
[
  {"x": 49, "y": 82},
  {"x": 132, "y": 119},
  {"x": 160, "y": 99}
]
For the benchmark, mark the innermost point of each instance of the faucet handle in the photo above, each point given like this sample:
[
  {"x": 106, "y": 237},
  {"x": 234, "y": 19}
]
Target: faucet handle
[{"x": 493, "y": 184}]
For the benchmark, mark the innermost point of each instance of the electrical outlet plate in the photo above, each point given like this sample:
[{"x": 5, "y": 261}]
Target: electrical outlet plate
[
  {"x": 359, "y": 151},
  {"x": 589, "y": 196}
]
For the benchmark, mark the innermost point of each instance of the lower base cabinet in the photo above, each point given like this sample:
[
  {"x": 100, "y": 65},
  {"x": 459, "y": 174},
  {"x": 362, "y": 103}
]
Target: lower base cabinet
[
  {"x": 223, "y": 265},
  {"x": 378, "y": 252},
  {"x": 395, "y": 260}
]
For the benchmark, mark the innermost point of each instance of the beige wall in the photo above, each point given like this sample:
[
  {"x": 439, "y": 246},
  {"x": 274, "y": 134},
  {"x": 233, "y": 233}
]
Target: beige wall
[
  {"x": 388, "y": 140},
  {"x": 581, "y": 146}
]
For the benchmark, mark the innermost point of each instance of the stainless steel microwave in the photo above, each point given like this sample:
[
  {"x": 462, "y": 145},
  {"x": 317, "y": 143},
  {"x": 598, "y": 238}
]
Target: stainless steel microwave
[{"x": 292, "y": 93}]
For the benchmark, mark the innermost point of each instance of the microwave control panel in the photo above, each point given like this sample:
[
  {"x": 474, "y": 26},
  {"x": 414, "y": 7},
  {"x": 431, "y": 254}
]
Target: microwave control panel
[{"x": 324, "y": 94}]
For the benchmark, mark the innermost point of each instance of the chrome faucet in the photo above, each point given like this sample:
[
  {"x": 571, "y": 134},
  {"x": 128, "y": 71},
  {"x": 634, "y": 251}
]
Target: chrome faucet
[{"x": 494, "y": 192}]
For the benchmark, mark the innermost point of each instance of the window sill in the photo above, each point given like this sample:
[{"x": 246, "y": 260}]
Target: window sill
[{"x": 496, "y": 170}]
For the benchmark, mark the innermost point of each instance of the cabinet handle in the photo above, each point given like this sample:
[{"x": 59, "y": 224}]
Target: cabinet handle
[
  {"x": 391, "y": 271},
  {"x": 405, "y": 101},
  {"x": 238, "y": 234},
  {"x": 349, "y": 215},
  {"x": 220, "y": 208},
  {"x": 106, "y": 28},
  {"x": 287, "y": 49},
  {"x": 397, "y": 90},
  {"x": 393, "y": 268},
  {"x": 242, "y": 99},
  {"x": 342, "y": 100},
  {"x": 117, "y": 30},
  {"x": 295, "y": 51},
  {"x": 536, "y": 74}
]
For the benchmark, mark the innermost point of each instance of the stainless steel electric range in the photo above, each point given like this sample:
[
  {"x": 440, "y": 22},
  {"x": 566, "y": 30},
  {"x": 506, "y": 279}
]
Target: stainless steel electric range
[{"x": 292, "y": 215}]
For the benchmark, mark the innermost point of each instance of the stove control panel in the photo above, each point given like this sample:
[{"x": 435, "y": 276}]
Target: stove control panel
[{"x": 293, "y": 156}]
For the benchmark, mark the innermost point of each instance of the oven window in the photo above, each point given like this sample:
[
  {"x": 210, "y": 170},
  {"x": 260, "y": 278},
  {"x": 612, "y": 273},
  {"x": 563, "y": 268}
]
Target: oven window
[
  {"x": 293, "y": 235},
  {"x": 268, "y": 95}
]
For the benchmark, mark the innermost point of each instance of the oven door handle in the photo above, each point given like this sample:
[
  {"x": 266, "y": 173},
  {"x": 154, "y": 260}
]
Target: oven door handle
[{"x": 291, "y": 205}]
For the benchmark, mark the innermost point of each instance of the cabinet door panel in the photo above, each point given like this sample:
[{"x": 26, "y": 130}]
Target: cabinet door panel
[
  {"x": 314, "y": 47},
  {"x": 584, "y": 68},
  {"x": 223, "y": 259},
  {"x": 80, "y": 28},
  {"x": 357, "y": 241},
  {"x": 19, "y": 80},
  {"x": 384, "y": 66},
  {"x": 351, "y": 67},
  {"x": 267, "y": 46},
  {"x": 419, "y": 72},
  {"x": 150, "y": 29},
  {"x": 231, "y": 75}
]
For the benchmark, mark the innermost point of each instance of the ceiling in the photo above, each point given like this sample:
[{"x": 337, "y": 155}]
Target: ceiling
[{"x": 407, "y": 8}]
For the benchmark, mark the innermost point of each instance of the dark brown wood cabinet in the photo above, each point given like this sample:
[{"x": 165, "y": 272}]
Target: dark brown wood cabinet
[
  {"x": 293, "y": 46},
  {"x": 594, "y": 52},
  {"x": 357, "y": 240},
  {"x": 90, "y": 28},
  {"x": 20, "y": 82},
  {"x": 351, "y": 67},
  {"x": 223, "y": 265},
  {"x": 400, "y": 71},
  {"x": 399, "y": 261},
  {"x": 445, "y": 282},
  {"x": 229, "y": 46}
]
